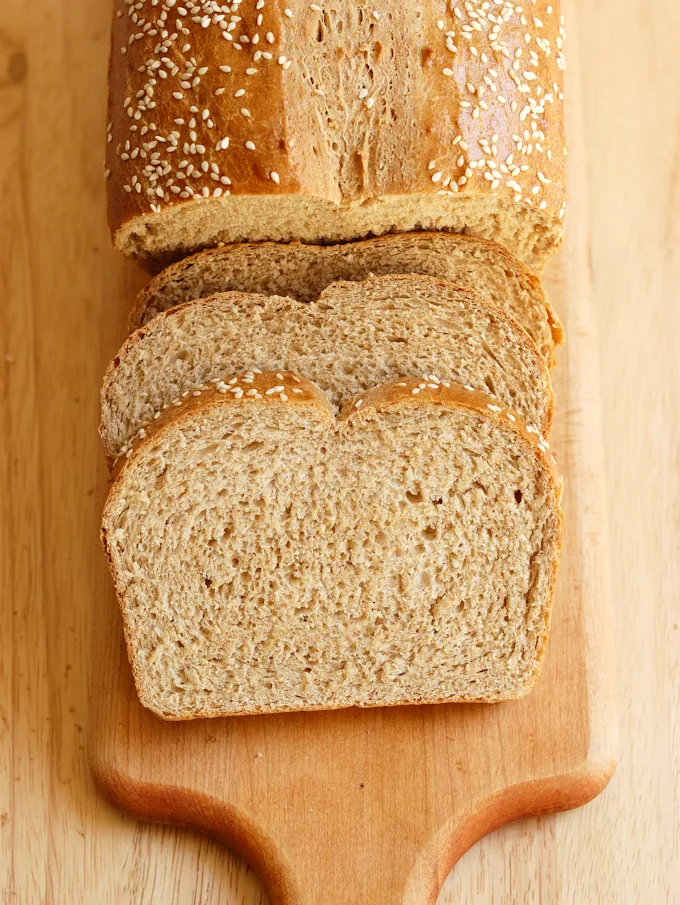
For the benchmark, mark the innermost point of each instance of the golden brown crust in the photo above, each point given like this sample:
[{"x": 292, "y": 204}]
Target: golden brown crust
[
  {"x": 469, "y": 104},
  {"x": 286, "y": 387},
  {"x": 413, "y": 391},
  {"x": 150, "y": 302},
  {"x": 252, "y": 386}
]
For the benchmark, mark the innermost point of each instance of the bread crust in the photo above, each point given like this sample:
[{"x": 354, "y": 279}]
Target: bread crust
[
  {"x": 408, "y": 280},
  {"x": 401, "y": 393},
  {"x": 352, "y": 111},
  {"x": 149, "y": 301}
]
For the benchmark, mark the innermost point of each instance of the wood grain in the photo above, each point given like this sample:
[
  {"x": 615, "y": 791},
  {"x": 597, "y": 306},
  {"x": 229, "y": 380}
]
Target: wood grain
[{"x": 62, "y": 291}]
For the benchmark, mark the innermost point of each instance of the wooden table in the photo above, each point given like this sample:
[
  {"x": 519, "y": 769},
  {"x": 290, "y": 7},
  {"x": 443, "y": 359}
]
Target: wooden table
[{"x": 59, "y": 842}]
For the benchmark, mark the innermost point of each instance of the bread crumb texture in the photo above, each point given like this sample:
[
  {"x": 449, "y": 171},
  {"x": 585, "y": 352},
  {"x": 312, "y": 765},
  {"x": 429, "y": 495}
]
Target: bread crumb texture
[
  {"x": 355, "y": 336},
  {"x": 269, "y": 556},
  {"x": 304, "y": 271},
  {"x": 247, "y": 121}
]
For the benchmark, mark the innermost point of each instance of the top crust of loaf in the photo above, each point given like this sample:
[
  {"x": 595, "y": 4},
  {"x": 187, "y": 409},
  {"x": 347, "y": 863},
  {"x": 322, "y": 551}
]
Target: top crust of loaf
[
  {"x": 276, "y": 388},
  {"x": 332, "y": 124},
  {"x": 303, "y": 272}
]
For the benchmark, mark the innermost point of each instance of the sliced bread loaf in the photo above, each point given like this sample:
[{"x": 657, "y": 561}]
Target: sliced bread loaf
[
  {"x": 269, "y": 557},
  {"x": 356, "y": 335},
  {"x": 304, "y": 271}
]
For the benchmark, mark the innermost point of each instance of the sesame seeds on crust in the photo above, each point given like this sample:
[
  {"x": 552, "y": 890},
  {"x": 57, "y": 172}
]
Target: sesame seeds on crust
[
  {"x": 429, "y": 389},
  {"x": 186, "y": 106},
  {"x": 285, "y": 387},
  {"x": 506, "y": 59},
  {"x": 168, "y": 138},
  {"x": 249, "y": 386}
]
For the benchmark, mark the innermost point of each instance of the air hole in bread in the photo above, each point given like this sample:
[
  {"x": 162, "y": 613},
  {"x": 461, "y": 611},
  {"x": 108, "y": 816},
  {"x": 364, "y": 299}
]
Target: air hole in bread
[
  {"x": 414, "y": 496},
  {"x": 518, "y": 498}
]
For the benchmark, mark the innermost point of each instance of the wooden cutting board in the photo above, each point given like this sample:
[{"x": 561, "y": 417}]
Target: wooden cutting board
[{"x": 375, "y": 807}]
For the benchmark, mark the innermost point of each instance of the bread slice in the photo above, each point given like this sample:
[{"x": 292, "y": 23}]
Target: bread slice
[
  {"x": 269, "y": 557},
  {"x": 356, "y": 335},
  {"x": 304, "y": 271}
]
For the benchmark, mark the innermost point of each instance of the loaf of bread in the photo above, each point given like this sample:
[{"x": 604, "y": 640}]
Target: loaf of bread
[
  {"x": 324, "y": 123},
  {"x": 355, "y": 336},
  {"x": 304, "y": 271},
  {"x": 269, "y": 556}
]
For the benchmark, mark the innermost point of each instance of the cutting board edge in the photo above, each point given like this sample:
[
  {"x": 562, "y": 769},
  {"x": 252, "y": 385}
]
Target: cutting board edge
[{"x": 185, "y": 807}]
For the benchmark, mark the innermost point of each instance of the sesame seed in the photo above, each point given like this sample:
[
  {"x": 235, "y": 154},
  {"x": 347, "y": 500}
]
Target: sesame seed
[{"x": 534, "y": 67}]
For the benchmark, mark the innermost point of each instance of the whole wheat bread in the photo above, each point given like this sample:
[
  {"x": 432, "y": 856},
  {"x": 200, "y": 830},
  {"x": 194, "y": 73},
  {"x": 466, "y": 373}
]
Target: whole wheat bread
[
  {"x": 268, "y": 556},
  {"x": 304, "y": 271},
  {"x": 357, "y": 335},
  {"x": 328, "y": 122}
]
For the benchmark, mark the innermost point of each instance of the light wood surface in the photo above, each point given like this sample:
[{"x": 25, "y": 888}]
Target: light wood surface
[{"x": 61, "y": 292}]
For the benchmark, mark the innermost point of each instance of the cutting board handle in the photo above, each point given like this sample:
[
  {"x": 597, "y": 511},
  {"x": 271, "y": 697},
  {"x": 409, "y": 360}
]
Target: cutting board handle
[{"x": 312, "y": 865}]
